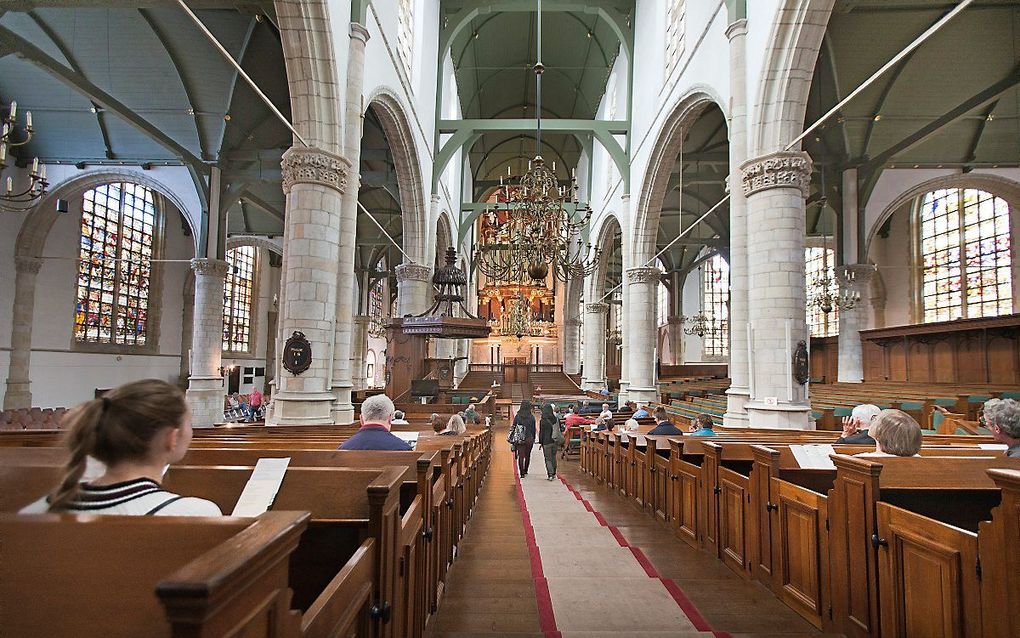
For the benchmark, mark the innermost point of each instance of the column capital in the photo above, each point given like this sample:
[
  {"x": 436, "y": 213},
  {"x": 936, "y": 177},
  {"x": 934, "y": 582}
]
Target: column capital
[
  {"x": 30, "y": 265},
  {"x": 737, "y": 28},
  {"x": 675, "y": 320},
  {"x": 361, "y": 320},
  {"x": 596, "y": 308},
  {"x": 785, "y": 169},
  {"x": 314, "y": 166},
  {"x": 643, "y": 275},
  {"x": 413, "y": 272},
  {"x": 571, "y": 323},
  {"x": 359, "y": 32},
  {"x": 210, "y": 267}
]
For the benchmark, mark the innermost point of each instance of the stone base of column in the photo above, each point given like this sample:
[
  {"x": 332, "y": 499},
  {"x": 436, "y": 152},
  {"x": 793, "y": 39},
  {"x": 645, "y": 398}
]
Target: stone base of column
[
  {"x": 205, "y": 397},
  {"x": 343, "y": 408},
  {"x": 18, "y": 395},
  {"x": 641, "y": 396},
  {"x": 593, "y": 385},
  {"x": 780, "y": 417},
  {"x": 624, "y": 394},
  {"x": 736, "y": 415},
  {"x": 302, "y": 408}
]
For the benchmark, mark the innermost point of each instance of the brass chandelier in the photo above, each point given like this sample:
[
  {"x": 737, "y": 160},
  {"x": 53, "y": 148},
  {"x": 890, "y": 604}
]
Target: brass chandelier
[
  {"x": 536, "y": 224},
  {"x": 26, "y": 197}
]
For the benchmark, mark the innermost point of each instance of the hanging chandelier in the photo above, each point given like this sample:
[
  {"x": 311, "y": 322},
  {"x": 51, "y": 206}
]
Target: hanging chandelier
[
  {"x": 20, "y": 200},
  {"x": 699, "y": 324},
  {"x": 829, "y": 292},
  {"x": 535, "y": 226}
]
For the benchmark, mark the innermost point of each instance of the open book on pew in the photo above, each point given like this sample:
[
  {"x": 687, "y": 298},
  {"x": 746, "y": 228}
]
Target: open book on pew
[
  {"x": 813, "y": 457},
  {"x": 411, "y": 438},
  {"x": 260, "y": 491}
]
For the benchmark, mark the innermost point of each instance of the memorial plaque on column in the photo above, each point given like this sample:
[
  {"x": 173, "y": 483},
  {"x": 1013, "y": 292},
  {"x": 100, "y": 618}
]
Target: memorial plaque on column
[{"x": 297, "y": 353}]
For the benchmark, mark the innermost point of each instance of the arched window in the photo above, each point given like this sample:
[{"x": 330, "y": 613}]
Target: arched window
[
  {"x": 965, "y": 253},
  {"x": 663, "y": 305},
  {"x": 820, "y": 268},
  {"x": 715, "y": 303},
  {"x": 239, "y": 299},
  {"x": 370, "y": 368},
  {"x": 405, "y": 33},
  {"x": 118, "y": 239},
  {"x": 375, "y": 300},
  {"x": 676, "y": 26}
]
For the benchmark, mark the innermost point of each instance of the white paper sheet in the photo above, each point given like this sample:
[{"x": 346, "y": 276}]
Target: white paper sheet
[
  {"x": 813, "y": 457},
  {"x": 260, "y": 492},
  {"x": 410, "y": 437},
  {"x": 993, "y": 446}
]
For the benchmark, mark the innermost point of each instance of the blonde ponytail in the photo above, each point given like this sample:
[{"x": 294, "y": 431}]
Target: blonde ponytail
[{"x": 83, "y": 423}]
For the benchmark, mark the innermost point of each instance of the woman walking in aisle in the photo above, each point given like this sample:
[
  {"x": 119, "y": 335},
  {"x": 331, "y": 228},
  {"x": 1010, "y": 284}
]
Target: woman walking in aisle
[
  {"x": 525, "y": 420},
  {"x": 550, "y": 438}
]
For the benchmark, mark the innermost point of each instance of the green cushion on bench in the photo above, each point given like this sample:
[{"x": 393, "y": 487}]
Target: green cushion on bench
[{"x": 912, "y": 405}]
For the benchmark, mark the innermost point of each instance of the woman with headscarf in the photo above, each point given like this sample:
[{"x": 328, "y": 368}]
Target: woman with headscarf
[
  {"x": 548, "y": 427},
  {"x": 526, "y": 420}
]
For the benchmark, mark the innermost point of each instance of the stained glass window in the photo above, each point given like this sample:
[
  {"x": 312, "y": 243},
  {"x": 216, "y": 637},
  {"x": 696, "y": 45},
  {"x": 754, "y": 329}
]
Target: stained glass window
[
  {"x": 819, "y": 266},
  {"x": 676, "y": 25},
  {"x": 239, "y": 299},
  {"x": 405, "y": 33},
  {"x": 118, "y": 224},
  {"x": 965, "y": 254},
  {"x": 715, "y": 303},
  {"x": 375, "y": 300}
]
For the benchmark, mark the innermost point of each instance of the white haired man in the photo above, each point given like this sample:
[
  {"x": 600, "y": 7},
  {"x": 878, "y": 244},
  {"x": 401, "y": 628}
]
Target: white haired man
[
  {"x": 376, "y": 418},
  {"x": 1002, "y": 418},
  {"x": 855, "y": 426}
]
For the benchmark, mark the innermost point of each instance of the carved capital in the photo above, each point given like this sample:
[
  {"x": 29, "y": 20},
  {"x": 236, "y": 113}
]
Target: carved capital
[
  {"x": 413, "y": 272},
  {"x": 644, "y": 275},
  {"x": 778, "y": 170},
  {"x": 361, "y": 320},
  {"x": 29, "y": 265},
  {"x": 737, "y": 28},
  {"x": 675, "y": 321},
  {"x": 210, "y": 267},
  {"x": 314, "y": 166},
  {"x": 596, "y": 308},
  {"x": 359, "y": 32},
  {"x": 572, "y": 323}
]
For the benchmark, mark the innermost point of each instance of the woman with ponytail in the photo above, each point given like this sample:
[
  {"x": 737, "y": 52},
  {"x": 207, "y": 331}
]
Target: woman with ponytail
[{"x": 136, "y": 430}]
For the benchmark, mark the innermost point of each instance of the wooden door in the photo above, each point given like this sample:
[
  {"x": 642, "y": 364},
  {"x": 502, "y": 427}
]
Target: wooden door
[
  {"x": 687, "y": 506},
  {"x": 733, "y": 521},
  {"x": 927, "y": 576},
  {"x": 800, "y": 550}
]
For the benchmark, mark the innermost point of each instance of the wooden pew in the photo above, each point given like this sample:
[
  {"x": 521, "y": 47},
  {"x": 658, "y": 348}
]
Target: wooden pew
[{"x": 214, "y": 577}]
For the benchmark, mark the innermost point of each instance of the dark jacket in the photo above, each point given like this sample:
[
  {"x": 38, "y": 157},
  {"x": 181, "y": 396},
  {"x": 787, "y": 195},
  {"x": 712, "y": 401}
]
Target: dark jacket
[
  {"x": 375, "y": 437},
  {"x": 667, "y": 428},
  {"x": 527, "y": 419},
  {"x": 545, "y": 430},
  {"x": 857, "y": 438},
  {"x": 1013, "y": 452}
]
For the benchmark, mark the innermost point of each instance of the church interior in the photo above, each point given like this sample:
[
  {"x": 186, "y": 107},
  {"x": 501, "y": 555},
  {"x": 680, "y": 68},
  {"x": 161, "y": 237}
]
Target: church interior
[{"x": 739, "y": 275}]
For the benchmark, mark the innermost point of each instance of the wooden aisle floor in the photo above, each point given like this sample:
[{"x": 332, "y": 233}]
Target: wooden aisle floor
[{"x": 605, "y": 572}]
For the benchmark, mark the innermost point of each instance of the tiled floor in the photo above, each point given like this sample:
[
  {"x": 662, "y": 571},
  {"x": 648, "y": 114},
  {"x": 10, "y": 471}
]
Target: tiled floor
[{"x": 589, "y": 582}]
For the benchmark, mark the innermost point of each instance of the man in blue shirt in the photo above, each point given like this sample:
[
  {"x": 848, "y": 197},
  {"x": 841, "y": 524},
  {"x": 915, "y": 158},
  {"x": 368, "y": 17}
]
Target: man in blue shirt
[
  {"x": 702, "y": 426},
  {"x": 663, "y": 425},
  {"x": 376, "y": 416},
  {"x": 640, "y": 413}
]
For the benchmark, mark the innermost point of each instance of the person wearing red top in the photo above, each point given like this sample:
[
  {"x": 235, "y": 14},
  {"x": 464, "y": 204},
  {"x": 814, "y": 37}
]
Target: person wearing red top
[{"x": 574, "y": 419}]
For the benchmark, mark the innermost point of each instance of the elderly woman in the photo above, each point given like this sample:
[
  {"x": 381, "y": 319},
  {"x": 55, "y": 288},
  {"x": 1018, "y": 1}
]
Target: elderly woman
[
  {"x": 454, "y": 427},
  {"x": 436, "y": 422},
  {"x": 896, "y": 433},
  {"x": 1002, "y": 418}
]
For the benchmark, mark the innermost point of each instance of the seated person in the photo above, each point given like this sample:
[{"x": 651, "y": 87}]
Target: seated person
[
  {"x": 896, "y": 433},
  {"x": 376, "y": 416},
  {"x": 856, "y": 426},
  {"x": 437, "y": 423},
  {"x": 1002, "y": 418},
  {"x": 398, "y": 418},
  {"x": 663, "y": 425},
  {"x": 574, "y": 419},
  {"x": 454, "y": 427},
  {"x": 604, "y": 423},
  {"x": 631, "y": 426},
  {"x": 587, "y": 408},
  {"x": 136, "y": 430},
  {"x": 471, "y": 415},
  {"x": 702, "y": 426},
  {"x": 606, "y": 413},
  {"x": 640, "y": 413}
]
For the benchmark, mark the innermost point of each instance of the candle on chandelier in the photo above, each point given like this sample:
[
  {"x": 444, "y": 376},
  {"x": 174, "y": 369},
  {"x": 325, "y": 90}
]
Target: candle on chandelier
[
  {"x": 10, "y": 185},
  {"x": 42, "y": 173},
  {"x": 14, "y": 110},
  {"x": 28, "y": 120},
  {"x": 35, "y": 166}
]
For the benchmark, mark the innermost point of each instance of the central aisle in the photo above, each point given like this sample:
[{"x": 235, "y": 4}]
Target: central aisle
[{"x": 571, "y": 558}]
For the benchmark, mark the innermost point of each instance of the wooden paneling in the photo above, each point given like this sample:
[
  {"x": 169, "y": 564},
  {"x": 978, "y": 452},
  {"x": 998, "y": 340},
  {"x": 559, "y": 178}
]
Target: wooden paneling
[
  {"x": 825, "y": 358},
  {"x": 965, "y": 351},
  {"x": 799, "y": 550},
  {"x": 687, "y": 518},
  {"x": 733, "y": 521}
]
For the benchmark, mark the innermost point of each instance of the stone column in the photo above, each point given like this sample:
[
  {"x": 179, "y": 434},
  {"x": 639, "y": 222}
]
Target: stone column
[
  {"x": 205, "y": 385},
  {"x": 641, "y": 324},
  {"x": 854, "y": 279},
  {"x": 594, "y": 346},
  {"x": 414, "y": 288},
  {"x": 776, "y": 186},
  {"x": 738, "y": 393},
  {"x": 571, "y": 346},
  {"x": 343, "y": 382},
  {"x": 313, "y": 181},
  {"x": 359, "y": 351},
  {"x": 19, "y": 392},
  {"x": 675, "y": 334}
]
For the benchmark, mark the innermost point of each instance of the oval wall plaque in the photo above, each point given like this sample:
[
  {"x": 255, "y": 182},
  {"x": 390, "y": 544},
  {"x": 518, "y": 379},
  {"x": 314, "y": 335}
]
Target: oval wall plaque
[{"x": 297, "y": 353}]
